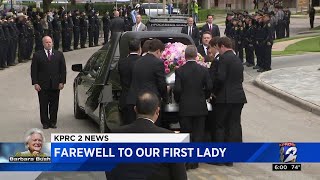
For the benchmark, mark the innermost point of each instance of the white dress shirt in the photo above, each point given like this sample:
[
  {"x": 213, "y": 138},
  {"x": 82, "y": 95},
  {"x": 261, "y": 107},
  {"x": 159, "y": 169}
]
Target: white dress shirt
[
  {"x": 205, "y": 49},
  {"x": 46, "y": 51},
  {"x": 137, "y": 26}
]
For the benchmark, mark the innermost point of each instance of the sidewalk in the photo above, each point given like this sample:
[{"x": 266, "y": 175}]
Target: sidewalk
[
  {"x": 281, "y": 46},
  {"x": 297, "y": 85}
]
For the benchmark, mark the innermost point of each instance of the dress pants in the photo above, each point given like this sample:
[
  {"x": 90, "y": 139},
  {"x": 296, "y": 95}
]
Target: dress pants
[
  {"x": 128, "y": 115},
  {"x": 249, "y": 54},
  {"x": 267, "y": 57},
  {"x": 195, "y": 125},
  {"x": 228, "y": 123},
  {"x": 49, "y": 100}
]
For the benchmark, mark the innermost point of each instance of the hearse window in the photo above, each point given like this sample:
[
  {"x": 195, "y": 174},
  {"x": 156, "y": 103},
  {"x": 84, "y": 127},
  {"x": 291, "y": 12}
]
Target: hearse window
[
  {"x": 90, "y": 62},
  {"x": 96, "y": 67}
]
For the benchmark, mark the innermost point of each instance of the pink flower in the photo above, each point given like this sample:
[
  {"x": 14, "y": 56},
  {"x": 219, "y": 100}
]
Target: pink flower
[
  {"x": 166, "y": 66},
  {"x": 166, "y": 62},
  {"x": 180, "y": 62},
  {"x": 167, "y": 70},
  {"x": 197, "y": 58},
  {"x": 176, "y": 67}
]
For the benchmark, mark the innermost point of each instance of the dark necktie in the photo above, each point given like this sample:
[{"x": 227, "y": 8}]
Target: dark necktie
[
  {"x": 210, "y": 28},
  {"x": 190, "y": 31},
  {"x": 49, "y": 55}
]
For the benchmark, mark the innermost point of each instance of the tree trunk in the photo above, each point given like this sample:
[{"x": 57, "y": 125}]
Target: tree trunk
[{"x": 46, "y": 5}]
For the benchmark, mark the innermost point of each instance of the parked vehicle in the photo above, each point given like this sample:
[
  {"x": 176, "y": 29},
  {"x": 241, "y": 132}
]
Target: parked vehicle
[
  {"x": 154, "y": 9},
  {"x": 97, "y": 86}
]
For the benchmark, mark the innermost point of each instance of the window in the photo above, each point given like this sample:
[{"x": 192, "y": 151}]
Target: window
[
  {"x": 97, "y": 65},
  {"x": 90, "y": 62}
]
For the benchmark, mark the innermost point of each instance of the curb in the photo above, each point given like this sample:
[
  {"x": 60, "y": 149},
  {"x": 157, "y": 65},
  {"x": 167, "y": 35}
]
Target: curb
[{"x": 306, "y": 105}]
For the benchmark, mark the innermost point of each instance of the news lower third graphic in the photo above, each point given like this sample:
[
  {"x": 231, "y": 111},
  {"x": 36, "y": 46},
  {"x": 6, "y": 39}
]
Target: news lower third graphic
[{"x": 102, "y": 152}]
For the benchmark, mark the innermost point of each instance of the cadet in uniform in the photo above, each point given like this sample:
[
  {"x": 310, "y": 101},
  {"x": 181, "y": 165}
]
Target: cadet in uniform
[
  {"x": 266, "y": 43},
  {"x": 65, "y": 33},
  {"x": 2, "y": 45},
  {"x": 96, "y": 29},
  {"x": 286, "y": 19},
  {"x": 38, "y": 32},
  {"x": 70, "y": 29},
  {"x": 229, "y": 25},
  {"x": 91, "y": 28},
  {"x": 239, "y": 39},
  {"x": 56, "y": 26},
  {"x": 249, "y": 41},
  {"x": 106, "y": 27},
  {"x": 13, "y": 42},
  {"x": 76, "y": 29},
  {"x": 259, "y": 37},
  {"x": 30, "y": 39},
  {"x": 21, "y": 25},
  {"x": 83, "y": 29}
]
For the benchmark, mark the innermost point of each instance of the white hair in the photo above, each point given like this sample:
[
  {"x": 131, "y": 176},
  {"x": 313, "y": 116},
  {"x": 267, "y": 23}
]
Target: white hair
[{"x": 30, "y": 133}]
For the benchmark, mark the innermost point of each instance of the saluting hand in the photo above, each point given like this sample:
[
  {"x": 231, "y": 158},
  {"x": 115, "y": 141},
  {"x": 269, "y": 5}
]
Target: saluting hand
[
  {"x": 37, "y": 87},
  {"x": 61, "y": 86}
]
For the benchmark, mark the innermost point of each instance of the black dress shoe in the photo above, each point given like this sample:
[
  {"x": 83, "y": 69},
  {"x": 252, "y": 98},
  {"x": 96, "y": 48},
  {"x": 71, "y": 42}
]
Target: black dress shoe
[
  {"x": 195, "y": 165},
  {"x": 70, "y": 49},
  {"x": 249, "y": 65},
  {"x": 1, "y": 68},
  {"x": 13, "y": 64},
  {"x": 53, "y": 126},
  {"x": 45, "y": 127},
  {"x": 256, "y": 67},
  {"x": 75, "y": 48},
  {"x": 188, "y": 166},
  {"x": 83, "y": 46},
  {"x": 261, "y": 70},
  {"x": 216, "y": 164},
  {"x": 229, "y": 164},
  {"x": 65, "y": 50}
]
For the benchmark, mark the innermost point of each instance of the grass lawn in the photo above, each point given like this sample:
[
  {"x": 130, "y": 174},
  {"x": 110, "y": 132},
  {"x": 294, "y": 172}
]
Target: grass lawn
[
  {"x": 308, "y": 45},
  {"x": 297, "y": 37}
]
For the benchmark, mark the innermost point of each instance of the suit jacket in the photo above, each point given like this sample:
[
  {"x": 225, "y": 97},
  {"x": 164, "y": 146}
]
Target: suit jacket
[
  {"x": 195, "y": 34},
  {"x": 125, "y": 70},
  {"x": 200, "y": 49},
  {"x": 146, "y": 171},
  {"x": 230, "y": 77},
  {"x": 142, "y": 27},
  {"x": 117, "y": 25},
  {"x": 215, "y": 29},
  {"x": 147, "y": 74},
  {"x": 191, "y": 89},
  {"x": 213, "y": 70},
  {"x": 48, "y": 74}
]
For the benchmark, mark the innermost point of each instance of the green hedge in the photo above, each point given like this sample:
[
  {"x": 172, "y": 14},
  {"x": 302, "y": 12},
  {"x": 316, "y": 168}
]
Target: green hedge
[{"x": 204, "y": 12}]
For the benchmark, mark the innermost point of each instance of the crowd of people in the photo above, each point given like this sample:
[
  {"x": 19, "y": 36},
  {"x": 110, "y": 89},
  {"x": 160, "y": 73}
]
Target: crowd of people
[{"x": 21, "y": 32}]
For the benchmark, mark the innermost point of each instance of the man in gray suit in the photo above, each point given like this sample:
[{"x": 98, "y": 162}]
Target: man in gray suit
[
  {"x": 139, "y": 26},
  {"x": 117, "y": 23}
]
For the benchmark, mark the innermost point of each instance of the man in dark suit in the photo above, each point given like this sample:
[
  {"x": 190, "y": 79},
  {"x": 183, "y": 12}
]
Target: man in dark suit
[
  {"x": 48, "y": 74},
  {"x": 148, "y": 74},
  {"x": 212, "y": 28},
  {"x": 192, "y": 31},
  {"x": 230, "y": 96},
  {"x": 126, "y": 64},
  {"x": 148, "y": 109},
  {"x": 203, "y": 47},
  {"x": 117, "y": 23},
  {"x": 191, "y": 89}
]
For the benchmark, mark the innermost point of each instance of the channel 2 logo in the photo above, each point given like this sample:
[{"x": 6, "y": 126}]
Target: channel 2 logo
[{"x": 288, "y": 152}]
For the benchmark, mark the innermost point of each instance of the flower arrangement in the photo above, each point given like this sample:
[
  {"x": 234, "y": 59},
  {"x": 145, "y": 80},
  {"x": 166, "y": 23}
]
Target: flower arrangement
[{"x": 173, "y": 57}]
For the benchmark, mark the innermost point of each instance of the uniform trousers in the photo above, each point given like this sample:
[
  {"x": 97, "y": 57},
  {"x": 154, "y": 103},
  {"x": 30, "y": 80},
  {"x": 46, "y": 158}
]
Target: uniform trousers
[{"x": 228, "y": 122}]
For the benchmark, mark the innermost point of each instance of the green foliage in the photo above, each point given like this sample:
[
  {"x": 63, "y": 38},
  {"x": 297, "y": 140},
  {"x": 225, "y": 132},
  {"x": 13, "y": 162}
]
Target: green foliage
[{"x": 216, "y": 12}]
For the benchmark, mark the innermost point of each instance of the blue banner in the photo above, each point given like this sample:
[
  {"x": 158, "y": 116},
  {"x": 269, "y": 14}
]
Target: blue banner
[{"x": 104, "y": 156}]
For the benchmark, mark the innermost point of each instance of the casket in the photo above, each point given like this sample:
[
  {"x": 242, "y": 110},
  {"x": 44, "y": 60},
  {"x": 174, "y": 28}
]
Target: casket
[{"x": 172, "y": 105}]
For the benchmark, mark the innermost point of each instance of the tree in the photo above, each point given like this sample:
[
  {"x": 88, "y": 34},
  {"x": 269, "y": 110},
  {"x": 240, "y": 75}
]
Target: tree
[{"x": 46, "y": 5}]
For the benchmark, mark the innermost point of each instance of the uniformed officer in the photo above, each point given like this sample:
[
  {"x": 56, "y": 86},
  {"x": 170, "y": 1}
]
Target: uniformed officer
[
  {"x": 22, "y": 27},
  {"x": 29, "y": 39},
  {"x": 56, "y": 27},
  {"x": 287, "y": 16},
  {"x": 259, "y": 37},
  {"x": 239, "y": 39},
  {"x": 50, "y": 28},
  {"x": 38, "y": 32},
  {"x": 76, "y": 29},
  {"x": 267, "y": 44},
  {"x": 106, "y": 27},
  {"x": 83, "y": 29},
  {"x": 96, "y": 28},
  {"x": 2, "y": 45},
  {"x": 229, "y": 25},
  {"x": 91, "y": 28},
  {"x": 312, "y": 13},
  {"x": 12, "y": 43},
  {"x": 70, "y": 29},
  {"x": 65, "y": 33},
  {"x": 249, "y": 41}
]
